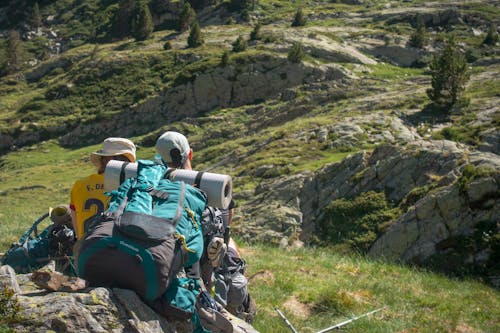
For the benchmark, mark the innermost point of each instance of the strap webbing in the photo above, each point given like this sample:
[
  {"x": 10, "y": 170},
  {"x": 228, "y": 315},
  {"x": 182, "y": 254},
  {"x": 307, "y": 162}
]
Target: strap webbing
[
  {"x": 197, "y": 179},
  {"x": 122, "y": 172}
]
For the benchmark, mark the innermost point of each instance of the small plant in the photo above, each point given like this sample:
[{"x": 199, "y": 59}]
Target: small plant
[
  {"x": 167, "y": 45},
  {"x": 256, "y": 34},
  {"x": 449, "y": 76},
  {"x": 15, "y": 52},
  {"x": 9, "y": 306},
  {"x": 240, "y": 44},
  {"x": 36, "y": 18},
  {"x": 492, "y": 35},
  {"x": 296, "y": 53},
  {"x": 186, "y": 17},
  {"x": 224, "y": 61},
  {"x": 142, "y": 25},
  {"x": 417, "y": 39},
  {"x": 299, "y": 19},
  {"x": 195, "y": 38}
]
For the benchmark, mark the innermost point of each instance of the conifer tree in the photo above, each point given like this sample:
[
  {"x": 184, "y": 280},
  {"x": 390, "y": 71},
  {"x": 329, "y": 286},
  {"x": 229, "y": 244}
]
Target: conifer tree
[
  {"x": 492, "y": 35},
  {"x": 122, "y": 20},
  {"x": 142, "y": 25},
  {"x": 449, "y": 76},
  {"x": 15, "y": 52},
  {"x": 256, "y": 34},
  {"x": 240, "y": 44},
  {"x": 195, "y": 38},
  {"x": 36, "y": 18},
  {"x": 224, "y": 61},
  {"x": 299, "y": 19},
  {"x": 296, "y": 53},
  {"x": 417, "y": 39},
  {"x": 187, "y": 16}
]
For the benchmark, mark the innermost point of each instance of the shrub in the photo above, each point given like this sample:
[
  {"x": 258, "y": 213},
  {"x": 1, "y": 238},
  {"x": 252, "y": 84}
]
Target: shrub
[
  {"x": 224, "y": 61},
  {"x": 186, "y": 17},
  {"x": 195, "y": 38},
  {"x": 417, "y": 39},
  {"x": 449, "y": 76},
  {"x": 142, "y": 25},
  {"x": 492, "y": 35},
  {"x": 255, "y": 34},
  {"x": 356, "y": 221},
  {"x": 9, "y": 306},
  {"x": 299, "y": 19},
  {"x": 296, "y": 53},
  {"x": 240, "y": 44}
]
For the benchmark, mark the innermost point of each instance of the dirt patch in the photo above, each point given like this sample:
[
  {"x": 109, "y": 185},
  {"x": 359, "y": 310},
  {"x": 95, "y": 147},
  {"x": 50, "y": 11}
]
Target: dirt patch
[
  {"x": 266, "y": 277},
  {"x": 297, "y": 308}
]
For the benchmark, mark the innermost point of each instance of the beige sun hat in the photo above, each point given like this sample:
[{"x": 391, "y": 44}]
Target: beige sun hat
[{"x": 114, "y": 147}]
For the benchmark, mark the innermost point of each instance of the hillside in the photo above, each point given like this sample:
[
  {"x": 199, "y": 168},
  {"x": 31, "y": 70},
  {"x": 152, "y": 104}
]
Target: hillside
[{"x": 348, "y": 130}]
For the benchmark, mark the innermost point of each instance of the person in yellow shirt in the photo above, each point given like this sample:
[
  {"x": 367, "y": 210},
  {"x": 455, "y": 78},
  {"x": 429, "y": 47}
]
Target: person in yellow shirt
[{"x": 87, "y": 194}]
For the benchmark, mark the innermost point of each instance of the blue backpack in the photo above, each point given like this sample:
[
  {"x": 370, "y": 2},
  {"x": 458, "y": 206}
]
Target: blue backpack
[
  {"x": 149, "y": 232},
  {"x": 35, "y": 249}
]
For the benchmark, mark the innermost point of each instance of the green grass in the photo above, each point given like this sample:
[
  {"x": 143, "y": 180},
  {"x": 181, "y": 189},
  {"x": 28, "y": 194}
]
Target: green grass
[{"x": 328, "y": 288}]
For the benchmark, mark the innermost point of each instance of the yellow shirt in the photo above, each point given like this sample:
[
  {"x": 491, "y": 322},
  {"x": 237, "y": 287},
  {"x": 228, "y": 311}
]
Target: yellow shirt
[{"x": 88, "y": 199}]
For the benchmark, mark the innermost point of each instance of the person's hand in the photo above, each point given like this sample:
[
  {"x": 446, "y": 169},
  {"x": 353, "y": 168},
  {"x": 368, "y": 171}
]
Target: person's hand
[{"x": 215, "y": 251}]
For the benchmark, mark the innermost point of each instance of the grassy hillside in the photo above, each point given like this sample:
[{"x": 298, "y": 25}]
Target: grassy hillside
[
  {"x": 317, "y": 288},
  {"x": 96, "y": 77}
]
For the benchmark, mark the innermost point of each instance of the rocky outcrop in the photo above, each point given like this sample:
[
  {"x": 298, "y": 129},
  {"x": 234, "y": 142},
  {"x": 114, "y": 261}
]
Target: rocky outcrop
[
  {"x": 288, "y": 208},
  {"x": 88, "y": 310},
  {"x": 254, "y": 80}
]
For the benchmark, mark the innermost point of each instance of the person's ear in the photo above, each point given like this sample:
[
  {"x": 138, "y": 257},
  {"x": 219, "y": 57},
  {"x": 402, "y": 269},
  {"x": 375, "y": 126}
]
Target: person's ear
[{"x": 190, "y": 155}]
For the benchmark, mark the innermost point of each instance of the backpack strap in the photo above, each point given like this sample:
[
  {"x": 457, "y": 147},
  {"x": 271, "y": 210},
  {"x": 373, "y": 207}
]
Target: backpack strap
[
  {"x": 122, "y": 172},
  {"x": 25, "y": 237}
]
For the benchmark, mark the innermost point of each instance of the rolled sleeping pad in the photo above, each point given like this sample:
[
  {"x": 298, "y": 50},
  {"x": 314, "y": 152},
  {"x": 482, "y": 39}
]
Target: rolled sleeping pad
[{"x": 218, "y": 187}]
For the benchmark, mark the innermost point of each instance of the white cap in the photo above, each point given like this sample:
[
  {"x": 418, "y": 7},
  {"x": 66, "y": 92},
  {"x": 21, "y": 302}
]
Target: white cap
[
  {"x": 114, "y": 147},
  {"x": 168, "y": 143}
]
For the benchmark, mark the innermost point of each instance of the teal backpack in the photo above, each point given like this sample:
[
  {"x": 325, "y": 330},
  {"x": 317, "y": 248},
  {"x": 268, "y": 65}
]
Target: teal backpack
[{"x": 149, "y": 232}]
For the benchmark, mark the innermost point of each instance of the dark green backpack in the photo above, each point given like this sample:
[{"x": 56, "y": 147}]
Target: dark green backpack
[{"x": 149, "y": 232}]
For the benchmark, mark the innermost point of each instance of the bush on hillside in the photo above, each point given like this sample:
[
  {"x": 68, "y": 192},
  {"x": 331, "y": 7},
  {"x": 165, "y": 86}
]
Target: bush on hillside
[
  {"x": 417, "y": 38},
  {"x": 256, "y": 34},
  {"x": 299, "y": 20},
  {"x": 35, "y": 19},
  {"x": 449, "y": 76},
  {"x": 357, "y": 221},
  {"x": 142, "y": 24},
  {"x": 240, "y": 44},
  {"x": 186, "y": 17},
  {"x": 296, "y": 53},
  {"x": 492, "y": 35},
  {"x": 195, "y": 38}
]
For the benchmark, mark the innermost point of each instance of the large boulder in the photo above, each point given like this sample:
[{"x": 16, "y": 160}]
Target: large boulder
[{"x": 85, "y": 310}]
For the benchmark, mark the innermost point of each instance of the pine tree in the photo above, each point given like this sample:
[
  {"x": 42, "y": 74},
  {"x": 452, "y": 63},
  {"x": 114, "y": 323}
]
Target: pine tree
[
  {"x": 449, "y": 76},
  {"x": 142, "y": 25},
  {"x": 195, "y": 38},
  {"x": 122, "y": 20},
  {"x": 240, "y": 44},
  {"x": 296, "y": 53},
  {"x": 300, "y": 19},
  {"x": 36, "y": 18},
  {"x": 15, "y": 52},
  {"x": 417, "y": 39},
  {"x": 186, "y": 17},
  {"x": 224, "y": 61},
  {"x": 256, "y": 34},
  {"x": 492, "y": 35}
]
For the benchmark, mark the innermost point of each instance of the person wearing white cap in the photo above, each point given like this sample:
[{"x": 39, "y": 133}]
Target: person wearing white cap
[
  {"x": 87, "y": 194},
  {"x": 175, "y": 152}
]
